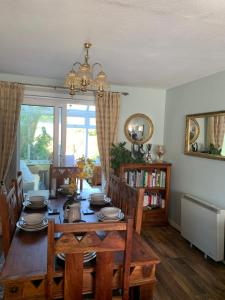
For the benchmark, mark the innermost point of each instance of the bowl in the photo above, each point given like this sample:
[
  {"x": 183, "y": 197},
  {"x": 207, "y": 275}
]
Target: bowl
[
  {"x": 110, "y": 212},
  {"x": 33, "y": 219},
  {"x": 36, "y": 199},
  {"x": 97, "y": 196}
]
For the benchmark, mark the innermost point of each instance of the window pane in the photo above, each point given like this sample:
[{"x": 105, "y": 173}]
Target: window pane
[
  {"x": 92, "y": 107},
  {"x": 36, "y": 132},
  {"x": 36, "y": 146},
  {"x": 77, "y": 106},
  {"x": 92, "y": 121},
  {"x": 75, "y": 142},
  {"x": 93, "y": 152},
  {"x": 75, "y": 121}
]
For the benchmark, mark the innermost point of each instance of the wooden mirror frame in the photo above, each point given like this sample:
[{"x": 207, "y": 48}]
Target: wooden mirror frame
[
  {"x": 150, "y": 130},
  {"x": 189, "y": 142}
]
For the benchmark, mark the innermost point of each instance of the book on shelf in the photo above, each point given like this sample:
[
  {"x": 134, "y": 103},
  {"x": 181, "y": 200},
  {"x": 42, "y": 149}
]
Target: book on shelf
[
  {"x": 154, "y": 200},
  {"x": 150, "y": 179}
]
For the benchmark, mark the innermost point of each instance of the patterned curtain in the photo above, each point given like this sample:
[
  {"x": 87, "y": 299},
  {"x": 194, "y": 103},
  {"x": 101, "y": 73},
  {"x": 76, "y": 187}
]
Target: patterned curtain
[
  {"x": 11, "y": 97},
  {"x": 107, "y": 118},
  {"x": 216, "y": 131}
]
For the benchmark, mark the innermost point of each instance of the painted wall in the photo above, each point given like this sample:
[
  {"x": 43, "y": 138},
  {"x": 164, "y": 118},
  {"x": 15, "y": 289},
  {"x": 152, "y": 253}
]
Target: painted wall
[
  {"x": 198, "y": 176},
  {"x": 150, "y": 102}
]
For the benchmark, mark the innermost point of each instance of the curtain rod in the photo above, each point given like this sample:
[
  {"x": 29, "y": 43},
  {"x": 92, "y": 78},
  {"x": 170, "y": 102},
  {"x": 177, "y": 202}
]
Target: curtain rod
[{"x": 62, "y": 87}]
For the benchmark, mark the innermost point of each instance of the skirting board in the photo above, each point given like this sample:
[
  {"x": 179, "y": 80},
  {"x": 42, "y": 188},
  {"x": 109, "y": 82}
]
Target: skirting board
[{"x": 175, "y": 225}]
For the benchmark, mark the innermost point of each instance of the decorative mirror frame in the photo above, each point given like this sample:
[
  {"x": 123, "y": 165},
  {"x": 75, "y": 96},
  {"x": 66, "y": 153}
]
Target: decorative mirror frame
[
  {"x": 149, "y": 133},
  {"x": 188, "y": 143}
]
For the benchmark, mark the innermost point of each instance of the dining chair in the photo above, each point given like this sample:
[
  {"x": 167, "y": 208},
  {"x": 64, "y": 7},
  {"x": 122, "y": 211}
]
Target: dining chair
[
  {"x": 9, "y": 215},
  {"x": 114, "y": 190},
  {"x": 105, "y": 248},
  {"x": 60, "y": 174},
  {"x": 128, "y": 199},
  {"x": 18, "y": 183}
]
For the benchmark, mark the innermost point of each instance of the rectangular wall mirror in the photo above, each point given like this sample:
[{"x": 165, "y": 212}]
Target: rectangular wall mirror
[{"x": 205, "y": 135}]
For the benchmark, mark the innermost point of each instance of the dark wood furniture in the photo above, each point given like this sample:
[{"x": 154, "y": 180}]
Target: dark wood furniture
[
  {"x": 129, "y": 199},
  {"x": 62, "y": 173},
  {"x": 74, "y": 249},
  {"x": 18, "y": 183},
  {"x": 155, "y": 179},
  {"x": 25, "y": 269},
  {"x": 9, "y": 211},
  {"x": 97, "y": 176}
]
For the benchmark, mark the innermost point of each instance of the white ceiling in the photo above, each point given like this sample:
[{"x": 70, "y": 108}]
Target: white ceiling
[{"x": 156, "y": 43}]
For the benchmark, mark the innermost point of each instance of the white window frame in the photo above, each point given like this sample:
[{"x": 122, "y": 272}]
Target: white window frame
[{"x": 87, "y": 115}]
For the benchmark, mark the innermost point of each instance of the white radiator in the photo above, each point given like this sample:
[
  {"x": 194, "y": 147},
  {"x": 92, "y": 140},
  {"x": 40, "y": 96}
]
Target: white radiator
[{"x": 202, "y": 224}]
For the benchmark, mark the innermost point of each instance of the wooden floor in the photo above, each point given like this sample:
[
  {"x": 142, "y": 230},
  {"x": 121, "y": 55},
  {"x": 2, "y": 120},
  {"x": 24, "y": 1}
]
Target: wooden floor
[{"x": 183, "y": 272}]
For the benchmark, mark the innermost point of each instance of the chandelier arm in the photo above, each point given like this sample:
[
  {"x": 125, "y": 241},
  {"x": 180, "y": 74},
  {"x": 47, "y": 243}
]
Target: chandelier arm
[
  {"x": 97, "y": 64},
  {"x": 76, "y": 63}
]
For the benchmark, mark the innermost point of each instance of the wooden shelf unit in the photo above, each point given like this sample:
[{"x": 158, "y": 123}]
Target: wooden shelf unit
[{"x": 154, "y": 184}]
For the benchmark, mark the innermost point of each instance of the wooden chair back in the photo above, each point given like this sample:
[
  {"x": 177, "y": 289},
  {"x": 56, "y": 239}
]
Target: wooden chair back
[
  {"x": 74, "y": 250},
  {"x": 131, "y": 200},
  {"x": 62, "y": 173},
  {"x": 9, "y": 215},
  {"x": 18, "y": 183},
  {"x": 114, "y": 190},
  {"x": 128, "y": 199}
]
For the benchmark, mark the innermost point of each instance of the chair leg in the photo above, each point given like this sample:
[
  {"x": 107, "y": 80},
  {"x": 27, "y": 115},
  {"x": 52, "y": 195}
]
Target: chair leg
[{"x": 134, "y": 293}]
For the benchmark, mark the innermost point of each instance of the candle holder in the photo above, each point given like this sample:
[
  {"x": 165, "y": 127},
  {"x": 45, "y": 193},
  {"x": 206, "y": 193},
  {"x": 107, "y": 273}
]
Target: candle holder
[
  {"x": 160, "y": 151},
  {"x": 148, "y": 156}
]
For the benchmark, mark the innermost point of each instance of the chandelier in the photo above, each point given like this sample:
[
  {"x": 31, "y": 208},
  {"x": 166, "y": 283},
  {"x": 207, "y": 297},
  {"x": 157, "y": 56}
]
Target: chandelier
[{"x": 81, "y": 78}]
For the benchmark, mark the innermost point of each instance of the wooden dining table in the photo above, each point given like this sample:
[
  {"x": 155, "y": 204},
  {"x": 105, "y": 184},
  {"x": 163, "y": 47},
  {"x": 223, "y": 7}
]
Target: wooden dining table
[{"x": 24, "y": 272}]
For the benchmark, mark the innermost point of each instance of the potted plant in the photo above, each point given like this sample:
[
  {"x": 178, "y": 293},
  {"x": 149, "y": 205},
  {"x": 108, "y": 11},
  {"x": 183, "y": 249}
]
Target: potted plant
[{"x": 121, "y": 155}]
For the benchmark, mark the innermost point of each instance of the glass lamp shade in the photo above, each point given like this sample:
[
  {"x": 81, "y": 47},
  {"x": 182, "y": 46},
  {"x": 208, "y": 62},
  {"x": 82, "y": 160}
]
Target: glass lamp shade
[
  {"x": 100, "y": 82},
  {"x": 72, "y": 81}
]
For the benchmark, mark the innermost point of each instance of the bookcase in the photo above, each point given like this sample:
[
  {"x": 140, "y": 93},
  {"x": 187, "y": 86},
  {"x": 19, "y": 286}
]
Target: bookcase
[{"x": 155, "y": 178}]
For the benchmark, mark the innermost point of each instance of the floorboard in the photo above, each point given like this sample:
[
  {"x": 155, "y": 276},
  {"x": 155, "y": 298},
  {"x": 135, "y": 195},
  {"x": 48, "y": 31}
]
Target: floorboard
[{"x": 183, "y": 273}]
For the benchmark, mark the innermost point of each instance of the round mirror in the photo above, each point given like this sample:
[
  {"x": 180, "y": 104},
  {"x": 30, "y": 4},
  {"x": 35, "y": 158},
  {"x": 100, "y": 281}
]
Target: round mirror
[
  {"x": 138, "y": 129},
  {"x": 194, "y": 130}
]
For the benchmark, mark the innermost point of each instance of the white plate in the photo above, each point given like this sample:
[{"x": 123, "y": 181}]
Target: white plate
[
  {"x": 30, "y": 205},
  {"x": 120, "y": 215},
  {"x": 107, "y": 219},
  {"x": 20, "y": 224},
  {"x": 38, "y": 226},
  {"x": 87, "y": 256}
]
